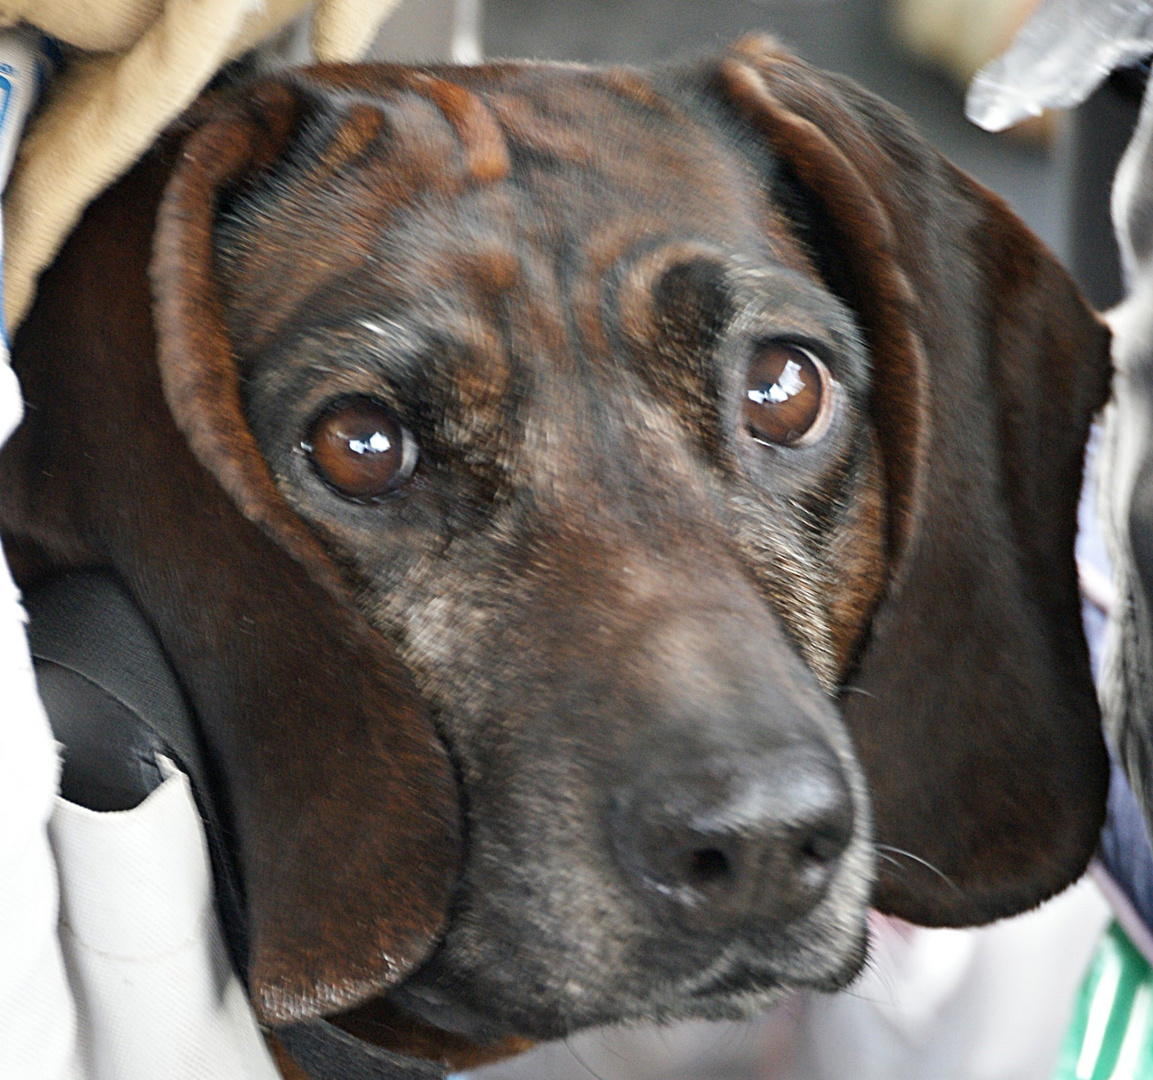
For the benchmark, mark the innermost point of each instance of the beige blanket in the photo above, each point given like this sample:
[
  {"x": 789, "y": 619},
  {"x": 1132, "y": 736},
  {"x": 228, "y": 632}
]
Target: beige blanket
[{"x": 143, "y": 62}]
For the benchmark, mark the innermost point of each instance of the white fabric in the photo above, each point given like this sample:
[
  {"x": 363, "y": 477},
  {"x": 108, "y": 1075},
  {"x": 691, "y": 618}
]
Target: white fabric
[
  {"x": 37, "y": 1017},
  {"x": 155, "y": 992}
]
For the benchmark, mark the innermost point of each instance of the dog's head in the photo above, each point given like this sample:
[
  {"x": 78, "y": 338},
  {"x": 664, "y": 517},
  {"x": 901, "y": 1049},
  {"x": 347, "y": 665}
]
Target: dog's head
[{"x": 707, "y": 449}]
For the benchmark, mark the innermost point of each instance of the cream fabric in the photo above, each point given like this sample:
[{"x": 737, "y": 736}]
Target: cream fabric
[
  {"x": 156, "y": 996},
  {"x": 144, "y": 61}
]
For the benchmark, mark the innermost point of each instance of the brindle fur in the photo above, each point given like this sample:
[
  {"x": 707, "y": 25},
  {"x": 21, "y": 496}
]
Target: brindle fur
[
  {"x": 554, "y": 276},
  {"x": 582, "y": 482}
]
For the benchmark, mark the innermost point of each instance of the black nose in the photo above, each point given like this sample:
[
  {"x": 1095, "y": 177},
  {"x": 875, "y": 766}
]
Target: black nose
[{"x": 729, "y": 843}]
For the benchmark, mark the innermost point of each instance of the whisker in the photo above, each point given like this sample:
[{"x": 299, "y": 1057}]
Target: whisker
[
  {"x": 917, "y": 859},
  {"x": 581, "y": 1061},
  {"x": 604, "y": 1037},
  {"x": 857, "y": 690}
]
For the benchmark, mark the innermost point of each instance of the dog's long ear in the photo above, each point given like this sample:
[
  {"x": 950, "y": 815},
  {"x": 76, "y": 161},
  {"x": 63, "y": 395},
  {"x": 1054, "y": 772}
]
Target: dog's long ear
[
  {"x": 350, "y": 859},
  {"x": 972, "y": 706},
  {"x": 340, "y": 795}
]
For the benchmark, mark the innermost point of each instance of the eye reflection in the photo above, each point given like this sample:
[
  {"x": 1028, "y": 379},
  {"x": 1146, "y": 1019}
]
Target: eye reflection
[
  {"x": 377, "y": 443},
  {"x": 789, "y": 384}
]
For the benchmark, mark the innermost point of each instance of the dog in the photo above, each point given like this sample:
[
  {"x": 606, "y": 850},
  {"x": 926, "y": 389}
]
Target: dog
[{"x": 612, "y": 526}]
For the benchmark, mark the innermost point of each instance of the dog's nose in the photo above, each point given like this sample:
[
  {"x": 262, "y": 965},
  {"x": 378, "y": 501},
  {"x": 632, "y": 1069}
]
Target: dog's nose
[{"x": 723, "y": 847}]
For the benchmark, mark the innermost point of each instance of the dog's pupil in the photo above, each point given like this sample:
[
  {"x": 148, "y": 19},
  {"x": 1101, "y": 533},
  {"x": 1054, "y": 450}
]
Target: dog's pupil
[{"x": 783, "y": 393}]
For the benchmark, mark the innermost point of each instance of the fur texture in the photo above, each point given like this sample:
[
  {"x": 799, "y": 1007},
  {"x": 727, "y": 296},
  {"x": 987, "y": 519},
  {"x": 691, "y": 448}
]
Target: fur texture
[{"x": 603, "y": 592}]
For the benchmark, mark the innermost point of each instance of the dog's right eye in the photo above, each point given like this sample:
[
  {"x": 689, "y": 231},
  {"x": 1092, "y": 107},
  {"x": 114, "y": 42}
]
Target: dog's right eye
[
  {"x": 788, "y": 395},
  {"x": 360, "y": 450}
]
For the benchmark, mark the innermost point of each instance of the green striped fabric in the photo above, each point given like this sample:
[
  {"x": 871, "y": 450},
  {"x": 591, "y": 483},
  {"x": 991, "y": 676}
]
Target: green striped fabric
[{"x": 1111, "y": 1034}]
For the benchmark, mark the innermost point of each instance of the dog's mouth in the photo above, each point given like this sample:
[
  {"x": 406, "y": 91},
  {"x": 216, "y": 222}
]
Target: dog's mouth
[
  {"x": 738, "y": 978},
  {"x": 739, "y": 981},
  {"x": 737, "y": 985}
]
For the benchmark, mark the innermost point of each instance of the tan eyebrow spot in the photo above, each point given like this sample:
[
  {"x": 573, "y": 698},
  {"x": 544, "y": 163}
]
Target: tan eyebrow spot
[
  {"x": 485, "y": 150},
  {"x": 359, "y": 127},
  {"x": 494, "y": 270},
  {"x": 631, "y": 85},
  {"x": 482, "y": 381},
  {"x": 635, "y": 298},
  {"x": 602, "y": 250}
]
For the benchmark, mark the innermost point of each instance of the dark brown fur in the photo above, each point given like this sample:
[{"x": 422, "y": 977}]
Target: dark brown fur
[{"x": 550, "y": 274}]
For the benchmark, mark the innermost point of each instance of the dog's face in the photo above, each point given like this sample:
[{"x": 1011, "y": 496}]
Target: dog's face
[
  {"x": 694, "y": 455},
  {"x": 590, "y": 436}
]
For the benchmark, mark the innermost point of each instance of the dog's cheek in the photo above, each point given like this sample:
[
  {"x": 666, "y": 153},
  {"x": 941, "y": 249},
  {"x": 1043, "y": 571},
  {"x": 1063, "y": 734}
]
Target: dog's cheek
[
  {"x": 390, "y": 549},
  {"x": 792, "y": 575},
  {"x": 819, "y": 560},
  {"x": 857, "y": 554}
]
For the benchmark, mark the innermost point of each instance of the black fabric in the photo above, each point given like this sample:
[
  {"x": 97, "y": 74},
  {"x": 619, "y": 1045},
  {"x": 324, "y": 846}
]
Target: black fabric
[
  {"x": 114, "y": 703},
  {"x": 1099, "y": 132},
  {"x": 1130, "y": 81},
  {"x": 109, "y": 756}
]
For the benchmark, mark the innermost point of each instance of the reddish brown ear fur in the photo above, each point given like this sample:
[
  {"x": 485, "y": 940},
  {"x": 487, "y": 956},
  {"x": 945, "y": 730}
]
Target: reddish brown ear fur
[
  {"x": 972, "y": 708},
  {"x": 340, "y": 795}
]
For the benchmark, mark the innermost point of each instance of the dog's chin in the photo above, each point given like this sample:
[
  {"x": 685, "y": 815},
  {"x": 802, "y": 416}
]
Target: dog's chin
[{"x": 734, "y": 987}]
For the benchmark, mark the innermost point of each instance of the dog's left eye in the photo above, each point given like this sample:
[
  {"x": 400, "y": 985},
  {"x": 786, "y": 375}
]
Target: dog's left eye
[
  {"x": 359, "y": 449},
  {"x": 788, "y": 395}
]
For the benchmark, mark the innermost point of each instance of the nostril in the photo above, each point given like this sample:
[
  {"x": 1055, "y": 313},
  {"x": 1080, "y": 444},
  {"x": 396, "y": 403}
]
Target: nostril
[{"x": 709, "y": 866}]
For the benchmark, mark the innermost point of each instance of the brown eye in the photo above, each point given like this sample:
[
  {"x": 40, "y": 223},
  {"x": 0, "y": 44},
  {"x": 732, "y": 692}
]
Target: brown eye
[
  {"x": 788, "y": 395},
  {"x": 360, "y": 450}
]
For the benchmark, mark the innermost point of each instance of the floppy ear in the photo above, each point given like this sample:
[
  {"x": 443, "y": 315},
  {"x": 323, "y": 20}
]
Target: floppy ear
[
  {"x": 339, "y": 795},
  {"x": 972, "y": 706}
]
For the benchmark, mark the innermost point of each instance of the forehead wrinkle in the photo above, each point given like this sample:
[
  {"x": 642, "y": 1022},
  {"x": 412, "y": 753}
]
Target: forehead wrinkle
[
  {"x": 372, "y": 152},
  {"x": 532, "y": 136},
  {"x": 314, "y": 219},
  {"x": 538, "y": 116},
  {"x": 634, "y": 86},
  {"x": 468, "y": 245}
]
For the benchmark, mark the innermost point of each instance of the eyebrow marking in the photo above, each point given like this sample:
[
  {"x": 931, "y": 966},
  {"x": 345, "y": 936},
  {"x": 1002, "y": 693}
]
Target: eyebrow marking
[{"x": 486, "y": 154}]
